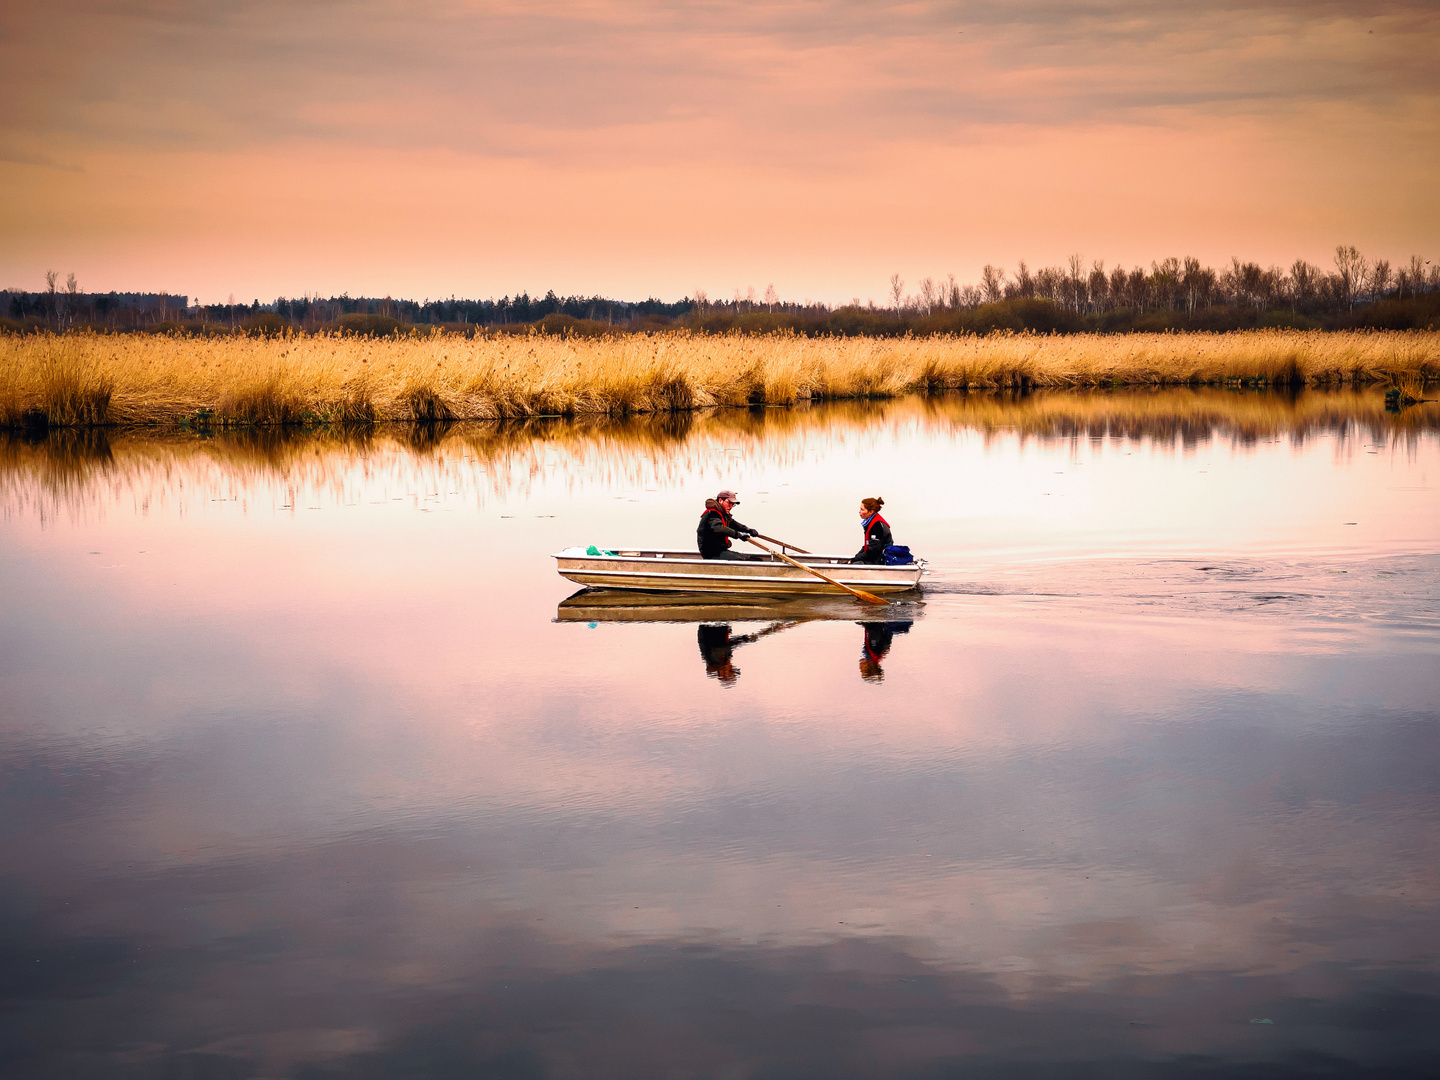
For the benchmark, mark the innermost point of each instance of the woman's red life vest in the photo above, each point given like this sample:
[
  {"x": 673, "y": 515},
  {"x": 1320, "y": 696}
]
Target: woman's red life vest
[{"x": 870, "y": 524}]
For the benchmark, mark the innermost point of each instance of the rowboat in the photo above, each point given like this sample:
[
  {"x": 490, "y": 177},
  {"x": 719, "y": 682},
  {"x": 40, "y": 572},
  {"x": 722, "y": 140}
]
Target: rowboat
[{"x": 665, "y": 570}]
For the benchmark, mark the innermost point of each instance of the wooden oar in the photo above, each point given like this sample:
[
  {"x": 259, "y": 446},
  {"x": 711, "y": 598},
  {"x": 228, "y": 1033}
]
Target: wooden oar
[
  {"x": 782, "y": 543},
  {"x": 859, "y": 594}
]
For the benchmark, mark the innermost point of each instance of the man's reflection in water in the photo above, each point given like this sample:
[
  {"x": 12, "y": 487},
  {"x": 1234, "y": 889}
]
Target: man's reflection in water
[
  {"x": 716, "y": 645},
  {"x": 878, "y": 636}
]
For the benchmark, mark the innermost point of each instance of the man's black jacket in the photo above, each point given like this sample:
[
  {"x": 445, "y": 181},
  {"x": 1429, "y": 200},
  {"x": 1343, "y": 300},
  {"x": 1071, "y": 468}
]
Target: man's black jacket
[{"x": 715, "y": 531}]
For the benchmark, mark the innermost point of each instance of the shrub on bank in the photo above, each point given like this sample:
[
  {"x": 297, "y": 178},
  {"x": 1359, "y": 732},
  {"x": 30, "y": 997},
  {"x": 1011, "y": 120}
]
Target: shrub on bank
[
  {"x": 1416, "y": 313},
  {"x": 265, "y": 324},
  {"x": 369, "y": 325}
]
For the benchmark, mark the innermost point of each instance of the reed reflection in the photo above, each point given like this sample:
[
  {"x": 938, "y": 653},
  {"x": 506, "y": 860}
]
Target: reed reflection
[{"x": 64, "y": 468}]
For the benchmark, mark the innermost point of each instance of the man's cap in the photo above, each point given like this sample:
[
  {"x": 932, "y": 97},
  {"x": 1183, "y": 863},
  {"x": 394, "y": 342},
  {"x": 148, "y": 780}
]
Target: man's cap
[{"x": 730, "y": 495}]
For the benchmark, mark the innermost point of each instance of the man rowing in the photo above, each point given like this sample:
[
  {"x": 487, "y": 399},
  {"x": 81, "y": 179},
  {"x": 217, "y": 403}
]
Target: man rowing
[{"x": 718, "y": 528}]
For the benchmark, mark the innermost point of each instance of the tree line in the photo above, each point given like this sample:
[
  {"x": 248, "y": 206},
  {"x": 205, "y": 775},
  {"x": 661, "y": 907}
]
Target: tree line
[
  {"x": 66, "y": 307},
  {"x": 1178, "y": 285},
  {"x": 1172, "y": 294}
]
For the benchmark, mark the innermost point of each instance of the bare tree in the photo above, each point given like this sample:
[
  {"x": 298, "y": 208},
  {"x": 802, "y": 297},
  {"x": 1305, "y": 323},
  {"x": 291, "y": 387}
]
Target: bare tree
[
  {"x": 928, "y": 294},
  {"x": 1249, "y": 284},
  {"x": 701, "y": 299},
  {"x": 897, "y": 290},
  {"x": 1137, "y": 287},
  {"x": 1379, "y": 277},
  {"x": 992, "y": 283},
  {"x": 1351, "y": 267},
  {"x": 1417, "y": 273},
  {"x": 1164, "y": 282},
  {"x": 1098, "y": 285},
  {"x": 1050, "y": 283},
  {"x": 65, "y": 313},
  {"x": 1304, "y": 283},
  {"x": 1191, "y": 282},
  {"x": 771, "y": 296},
  {"x": 1024, "y": 283},
  {"x": 1076, "y": 280},
  {"x": 1411, "y": 276},
  {"x": 52, "y": 303},
  {"x": 1118, "y": 281}
]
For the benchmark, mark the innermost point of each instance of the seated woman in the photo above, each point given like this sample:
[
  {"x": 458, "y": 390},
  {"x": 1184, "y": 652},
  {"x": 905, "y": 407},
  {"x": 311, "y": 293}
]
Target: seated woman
[{"x": 877, "y": 533}]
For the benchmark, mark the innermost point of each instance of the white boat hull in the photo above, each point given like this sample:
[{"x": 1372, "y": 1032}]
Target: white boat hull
[{"x": 657, "y": 570}]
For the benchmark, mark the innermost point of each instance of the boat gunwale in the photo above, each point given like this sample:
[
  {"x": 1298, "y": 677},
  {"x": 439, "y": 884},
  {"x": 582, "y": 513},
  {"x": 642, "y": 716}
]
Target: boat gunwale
[
  {"x": 793, "y": 577},
  {"x": 814, "y": 558}
]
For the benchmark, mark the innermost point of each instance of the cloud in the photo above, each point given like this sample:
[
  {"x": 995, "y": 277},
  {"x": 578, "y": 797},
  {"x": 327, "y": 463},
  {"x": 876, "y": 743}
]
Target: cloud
[
  {"x": 21, "y": 157},
  {"x": 668, "y": 82}
]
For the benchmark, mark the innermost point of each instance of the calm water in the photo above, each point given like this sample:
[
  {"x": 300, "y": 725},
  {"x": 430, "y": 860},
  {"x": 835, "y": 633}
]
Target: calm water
[{"x": 308, "y": 766}]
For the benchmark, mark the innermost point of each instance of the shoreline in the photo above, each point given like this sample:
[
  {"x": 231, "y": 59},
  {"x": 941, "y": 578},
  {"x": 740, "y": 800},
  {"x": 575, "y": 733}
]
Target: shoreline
[{"x": 1186, "y": 412}]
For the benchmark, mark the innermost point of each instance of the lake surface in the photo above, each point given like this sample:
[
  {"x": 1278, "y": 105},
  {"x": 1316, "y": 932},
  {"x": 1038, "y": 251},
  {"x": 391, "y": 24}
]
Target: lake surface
[{"x": 309, "y": 766}]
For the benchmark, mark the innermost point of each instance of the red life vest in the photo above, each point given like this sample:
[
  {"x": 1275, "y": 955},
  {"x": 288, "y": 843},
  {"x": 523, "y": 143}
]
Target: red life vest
[
  {"x": 870, "y": 524},
  {"x": 870, "y": 651},
  {"x": 724, "y": 519}
]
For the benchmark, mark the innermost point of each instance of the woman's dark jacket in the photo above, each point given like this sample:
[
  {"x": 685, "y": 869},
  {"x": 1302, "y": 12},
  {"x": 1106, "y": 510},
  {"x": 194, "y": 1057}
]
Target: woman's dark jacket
[
  {"x": 877, "y": 539},
  {"x": 715, "y": 531}
]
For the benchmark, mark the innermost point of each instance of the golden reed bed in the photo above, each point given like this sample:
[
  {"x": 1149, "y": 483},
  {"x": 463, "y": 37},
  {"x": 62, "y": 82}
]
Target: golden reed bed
[{"x": 92, "y": 379}]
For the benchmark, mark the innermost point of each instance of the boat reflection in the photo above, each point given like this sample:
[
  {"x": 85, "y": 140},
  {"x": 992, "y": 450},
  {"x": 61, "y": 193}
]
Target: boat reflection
[{"x": 715, "y": 633}]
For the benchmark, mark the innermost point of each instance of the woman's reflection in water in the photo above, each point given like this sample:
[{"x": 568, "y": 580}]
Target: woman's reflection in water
[
  {"x": 878, "y": 636},
  {"x": 716, "y": 646}
]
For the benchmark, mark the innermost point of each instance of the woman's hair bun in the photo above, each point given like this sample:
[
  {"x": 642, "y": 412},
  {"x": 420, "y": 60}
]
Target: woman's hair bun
[{"x": 879, "y": 501}]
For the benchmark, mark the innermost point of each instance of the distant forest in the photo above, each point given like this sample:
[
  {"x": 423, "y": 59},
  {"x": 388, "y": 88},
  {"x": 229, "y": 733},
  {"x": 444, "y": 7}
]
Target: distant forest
[{"x": 1173, "y": 294}]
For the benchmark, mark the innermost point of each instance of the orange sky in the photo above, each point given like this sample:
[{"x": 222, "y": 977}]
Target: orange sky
[{"x": 635, "y": 148}]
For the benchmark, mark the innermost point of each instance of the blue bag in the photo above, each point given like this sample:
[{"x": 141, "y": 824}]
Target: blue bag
[{"x": 898, "y": 555}]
